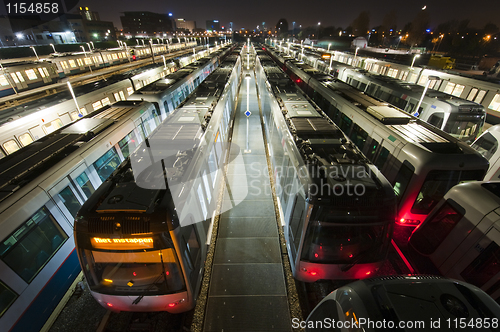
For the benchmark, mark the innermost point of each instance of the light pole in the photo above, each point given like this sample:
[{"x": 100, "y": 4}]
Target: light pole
[
  {"x": 34, "y": 51},
  {"x": 329, "y": 44},
  {"x": 137, "y": 41},
  {"x": 413, "y": 61},
  {"x": 164, "y": 63},
  {"x": 74, "y": 98},
  {"x": 399, "y": 41},
  {"x": 429, "y": 79},
  {"x": 247, "y": 113},
  {"x": 355, "y": 54},
  {"x": 319, "y": 25},
  {"x": 7, "y": 78},
  {"x": 85, "y": 53},
  {"x": 92, "y": 43},
  {"x": 330, "y": 67},
  {"x": 53, "y": 48}
]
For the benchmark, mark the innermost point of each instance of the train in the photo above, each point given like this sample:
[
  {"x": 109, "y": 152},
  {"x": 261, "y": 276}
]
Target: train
[
  {"x": 26, "y": 75},
  {"x": 404, "y": 303},
  {"x": 420, "y": 161},
  {"x": 461, "y": 236},
  {"x": 43, "y": 185},
  {"x": 141, "y": 238},
  {"x": 481, "y": 90},
  {"x": 459, "y": 117},
  {"x": 22, "y": 124},
  {"x": 338, "y": 210},
  {"x": 487, "y": 145}
]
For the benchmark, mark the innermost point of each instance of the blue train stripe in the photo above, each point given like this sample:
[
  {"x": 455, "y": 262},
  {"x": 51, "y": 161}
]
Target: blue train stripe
[{"x": 35, "y": 316}]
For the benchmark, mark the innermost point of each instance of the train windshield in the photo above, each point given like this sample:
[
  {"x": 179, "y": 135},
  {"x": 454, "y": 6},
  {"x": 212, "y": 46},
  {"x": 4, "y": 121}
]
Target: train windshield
[
  {"x": 345, "y": 237},
  {"x": 486, "y": 145},
  {"x": 132, "y": 272},
  {"x": 437, "y": 184},
  {"x": 464, "y": 126}
]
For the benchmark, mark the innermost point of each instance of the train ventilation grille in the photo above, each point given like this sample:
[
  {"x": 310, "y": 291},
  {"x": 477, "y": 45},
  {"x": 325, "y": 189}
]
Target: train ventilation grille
[
  {"x": 133, "y": 225},
  {"x": 96, "y": 225}
]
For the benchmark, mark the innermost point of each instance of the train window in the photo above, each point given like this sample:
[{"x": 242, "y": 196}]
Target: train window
[
  {"x": 485, "y": 267},
  {"x": 75, "y": 115},
  {"x": 358, "y": 136},
  {"x": 436, "y": 185},
  {"x": 40, "y": 70},
  {"x": 472, "y": 94},
  {"x": 84, "y": 182},
  {"x": 130, "y": 90},
  {"x": 122, "y": 95},
  {"x": 382, "y": 158},
  {"x": 423, "y": 79},
  {"x": 29, "y": 248},
  {"x": 449, "y": 87},
  {"x": 46, "y": 72},
  {"x": 11, "y": 146},
  {"x": 7, "y": 297},
  {"x": 2, "y": 154},
  {"x": 97, "y": 105},
  {"x": 345, "y": 124},
  {"x": 25, "y": 139},
  {"x": 480, "y": 96},
  {"x": 457, "y": 91},
  {"x": 69, "y": 200},
  {"x": 100, "y": 59},
  {"x": 80, "y": 62},
  {"x": 486, "y": 145},
  {"x": 106, "y": 164},
  {"x": 105, "y": 101},
  {"x": 495, "y": 103},
  {"x": 403, "y": 179},
  {"x": 52, "y": 126},
  {"x": 31, "y": 74},
  {"x": 117, "y": 96},
  {"x": 20, "y": 76},
  {"x": 64, "y": 65},
  {"x": 14, "y": 77},
  {"x": 128, "y": 144},
  {"x": 72, "y": 63},
  {"x": 115, "y": 57},
  {"x": 88, "y": 61},
  {"x": 372, "y": 149},
  {"x": 297, "y": 220},
  {"x": 436, "y": 119},
  {"x": 3, "y": 81}
]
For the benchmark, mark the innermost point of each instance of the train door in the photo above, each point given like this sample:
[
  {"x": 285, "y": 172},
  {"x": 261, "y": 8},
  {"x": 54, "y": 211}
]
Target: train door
[
  {"x": 84, "y": 181},
  {"x": 480, "y": 266},
  {"x": 67, "y": 198}
]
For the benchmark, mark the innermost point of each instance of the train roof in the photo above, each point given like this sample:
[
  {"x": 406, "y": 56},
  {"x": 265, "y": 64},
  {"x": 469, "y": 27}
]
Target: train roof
[
  {"x": 479, "y": 195},
  {"x": 21, "y": 63},
  {"x": 320, "y": 142},
  {"x": 19, "y": 168}
]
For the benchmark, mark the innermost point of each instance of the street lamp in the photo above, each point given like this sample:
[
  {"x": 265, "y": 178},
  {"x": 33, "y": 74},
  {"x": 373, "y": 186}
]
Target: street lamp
[
  {"x": 355, "y": 54},
  {"x": 90, "y": 50},
  {"x": 413, "y": 61},
  {"x": 53, "y": 48},
  {"x": 34, "y": 51},
  {"x": 429, "y": 79},
  {"x": 399, "y": 41},
  {"x": 92, "y": 43},
  {"x": 329, "y": 44},
  {"x": 85, "y": 53}
]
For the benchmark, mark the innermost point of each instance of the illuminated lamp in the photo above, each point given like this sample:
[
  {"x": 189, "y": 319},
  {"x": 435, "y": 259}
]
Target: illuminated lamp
[
  {"x": 176, "y": 303},
  {"x": 109, "y": 304}
]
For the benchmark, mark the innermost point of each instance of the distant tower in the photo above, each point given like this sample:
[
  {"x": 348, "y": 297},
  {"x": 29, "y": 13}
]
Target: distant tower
[{"x": 88, "y": 15}]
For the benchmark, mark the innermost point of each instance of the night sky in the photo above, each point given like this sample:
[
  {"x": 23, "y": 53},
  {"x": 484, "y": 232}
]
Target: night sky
[{"x": 251, "y": 13}]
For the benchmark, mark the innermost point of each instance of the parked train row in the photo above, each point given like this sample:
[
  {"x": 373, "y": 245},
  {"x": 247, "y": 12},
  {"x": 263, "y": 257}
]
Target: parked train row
[
  {"x": 21, "y": 125},
  {"x": 472, "y": 88},
  {"x": 420, "y": 161},
  {"x": 22, "y": 76},
  {"x": 43, "y": 186},
  {"x": 338, "y": 209},
  {"x": 459, "y": 117},
  {"x": 141, "y": 237}
]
